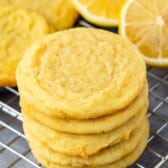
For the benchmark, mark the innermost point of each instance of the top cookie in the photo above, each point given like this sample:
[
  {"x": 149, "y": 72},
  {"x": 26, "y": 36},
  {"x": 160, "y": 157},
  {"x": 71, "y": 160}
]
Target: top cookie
[
  {"x": 19, "y": 28},
  {"x": 81, "y": 73},
  {"x": 59, "y": 13}
]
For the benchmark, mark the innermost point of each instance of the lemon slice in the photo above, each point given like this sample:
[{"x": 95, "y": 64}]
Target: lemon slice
[
  {"x": 145, "y": 23},
  {"x": 100, "y": 12}
]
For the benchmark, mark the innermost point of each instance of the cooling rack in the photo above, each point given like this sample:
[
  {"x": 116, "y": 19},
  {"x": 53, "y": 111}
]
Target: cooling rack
[{"x": 15, "y": 152}]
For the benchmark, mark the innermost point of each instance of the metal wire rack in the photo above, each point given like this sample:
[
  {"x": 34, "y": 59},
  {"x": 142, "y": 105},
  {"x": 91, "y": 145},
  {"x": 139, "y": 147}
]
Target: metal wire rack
[{"x": 15, "y": 152}]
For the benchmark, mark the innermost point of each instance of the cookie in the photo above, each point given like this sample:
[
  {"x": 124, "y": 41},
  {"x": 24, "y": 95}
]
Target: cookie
[
  {"x": 59, "y": 13},
  {"x": 82, "y": 145},
  {"x": 107, "y": 156},
  {"x": 87, "y": 73},
  {"x": 122, "y": 163},
  {"x": 19, "y": 28},
  {"x": 101, "y": 124}
]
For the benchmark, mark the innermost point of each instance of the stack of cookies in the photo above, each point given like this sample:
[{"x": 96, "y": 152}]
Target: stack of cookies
[{"x": 84, "y": 98}]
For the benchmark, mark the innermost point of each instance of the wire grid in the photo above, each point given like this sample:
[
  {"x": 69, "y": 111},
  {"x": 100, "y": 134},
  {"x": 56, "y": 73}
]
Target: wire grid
[{"x": 15, "y": 152}]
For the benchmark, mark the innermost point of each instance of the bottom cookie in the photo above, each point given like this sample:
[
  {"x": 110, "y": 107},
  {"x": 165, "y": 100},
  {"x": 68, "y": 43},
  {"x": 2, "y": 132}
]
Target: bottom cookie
[
  {"x": 81, "y": 145},
  {"x": 126, "y": 160}
]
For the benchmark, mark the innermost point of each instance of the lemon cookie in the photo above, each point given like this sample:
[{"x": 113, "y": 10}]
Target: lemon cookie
[
  {"x": 87, "y": 73},
  {"x": 106, "y": 156},
  {"x": 122, "y": 163},
  {"x": 59, "y": 13},
  {"x": 19, "y": 28},
  {"x": 82, "y": 145},
  {"x": 90, "y": 126}
]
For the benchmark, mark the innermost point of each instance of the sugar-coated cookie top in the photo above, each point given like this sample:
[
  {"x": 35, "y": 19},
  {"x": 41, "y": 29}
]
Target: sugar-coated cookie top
[
  {"x": 59, "y": 13},
  {"x": 81, "y": 73},
  {"x": 19, "y": 28}
]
